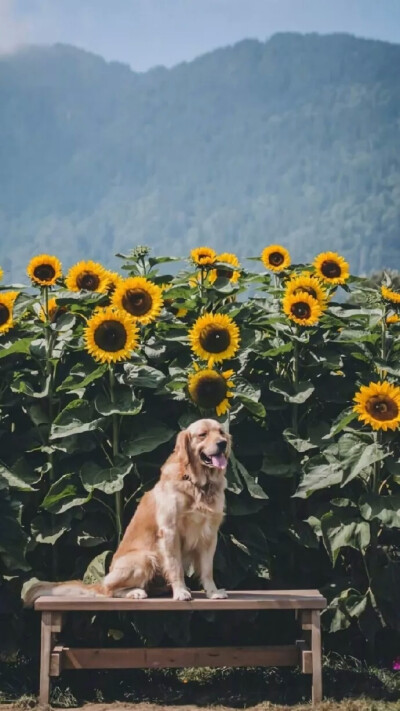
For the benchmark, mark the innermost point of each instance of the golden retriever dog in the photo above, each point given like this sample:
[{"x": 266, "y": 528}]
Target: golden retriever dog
[{"x": 175, "y": 525}]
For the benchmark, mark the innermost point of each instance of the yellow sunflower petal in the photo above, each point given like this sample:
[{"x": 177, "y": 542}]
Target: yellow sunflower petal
[
  {"x": 7, "y": 299},
  {"x": 389, "y": 295},
  {"x": 44, "y": 270},
  {"x": 111, "y": 335},
  {"x": 214, "y": 337},
  {"x": 331, "y": 268},
  {"x": 1, "y": 274},
  {"x": 140, "y": 298},
  {"x": 302, "y": 308},
  {"x": 203, "y": 255},
  {"x": 88, "y": 276},
  {"x": 378, "y": 405},
  {"x": 223, "y": 272},
  {"x": 275, "y": 258},
  {"x": 393, "y": 318}
]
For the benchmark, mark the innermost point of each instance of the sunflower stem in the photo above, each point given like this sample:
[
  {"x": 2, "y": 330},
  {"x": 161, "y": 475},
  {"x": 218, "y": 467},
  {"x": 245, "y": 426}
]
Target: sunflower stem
[
  {"x": 201, "y": 283},
  {"x": 115, "y": 450},
  {"x": 50, "y": 378},
  {"x": 295, "y": 411}
]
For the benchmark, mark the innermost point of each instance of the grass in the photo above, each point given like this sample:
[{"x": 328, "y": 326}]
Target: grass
[{"x": 349, "y": 684}]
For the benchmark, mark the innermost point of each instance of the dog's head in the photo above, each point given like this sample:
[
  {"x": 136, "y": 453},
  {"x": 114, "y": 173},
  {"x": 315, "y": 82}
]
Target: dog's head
[{"x": 205, "y": 446}]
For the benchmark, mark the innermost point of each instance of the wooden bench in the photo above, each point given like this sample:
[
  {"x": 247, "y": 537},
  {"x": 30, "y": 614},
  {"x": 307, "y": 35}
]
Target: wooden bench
[{"x": 306, "y": 651}]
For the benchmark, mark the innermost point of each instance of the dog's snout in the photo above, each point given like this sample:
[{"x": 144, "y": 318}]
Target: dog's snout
[{"x": 221, "y": 444}]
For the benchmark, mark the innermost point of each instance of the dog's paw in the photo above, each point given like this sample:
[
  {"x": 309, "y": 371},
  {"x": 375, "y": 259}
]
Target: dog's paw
[
  {"x": 182, "y": 594},
  {"x": 217, "y": 595},
  {"x": 136, "y": 594}
]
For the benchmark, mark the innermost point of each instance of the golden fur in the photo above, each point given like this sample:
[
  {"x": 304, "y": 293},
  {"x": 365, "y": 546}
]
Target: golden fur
[{"x": 175, "y": 525}]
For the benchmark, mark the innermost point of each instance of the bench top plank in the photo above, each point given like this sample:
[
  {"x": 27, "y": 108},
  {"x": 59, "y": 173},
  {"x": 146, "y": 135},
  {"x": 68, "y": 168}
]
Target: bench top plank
[{"x": 237, "y": 600}]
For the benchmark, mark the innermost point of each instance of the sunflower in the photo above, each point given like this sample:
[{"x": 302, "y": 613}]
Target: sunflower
[
  {"x": 302, "y": 308},
  {"x": 54, "y": 310},
  {"x": 114, "y": 280},
  {"x": 214, "y": 337},
  {"x": 378, "y": 405},
  {"x": 88, "y": 276},
  {"x": 209, "y": 389},
  {"x": 310, "y": 285},
  {"x": 44, "y": 269},
  {"x": 7, "y": 299},
  {"x": 275, "y": 258},
  {"x": 139, "y": 297},
  {"x": 203, "y": 255},
  {"x": 225, "y": 272},
  {"x": 331, "y": 268},
  {"x": 389, "y": 295},
  {"x": 1, "y": 273},
  {"x": 111, "y": 335},
  {"x": 393, "y": 318}
]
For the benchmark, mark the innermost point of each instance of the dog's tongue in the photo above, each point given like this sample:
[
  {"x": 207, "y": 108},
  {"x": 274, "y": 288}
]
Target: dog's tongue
[{"x": 219, "y": 461}]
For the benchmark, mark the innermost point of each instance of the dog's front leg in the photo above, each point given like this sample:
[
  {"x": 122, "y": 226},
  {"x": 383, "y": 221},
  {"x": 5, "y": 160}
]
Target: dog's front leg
[
  {"x": 206, "y": 558},
  {"x": 172, "y": 564}
]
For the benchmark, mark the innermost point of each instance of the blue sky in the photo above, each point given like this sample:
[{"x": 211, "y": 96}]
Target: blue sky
[{"x": 145, "y": 33}]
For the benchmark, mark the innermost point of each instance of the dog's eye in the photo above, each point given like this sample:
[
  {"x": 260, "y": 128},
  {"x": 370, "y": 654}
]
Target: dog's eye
[{"x": 202, "y": 434}]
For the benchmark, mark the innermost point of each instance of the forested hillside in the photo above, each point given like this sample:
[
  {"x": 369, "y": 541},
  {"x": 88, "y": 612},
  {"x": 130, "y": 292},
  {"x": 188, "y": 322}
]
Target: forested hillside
[{"x": 295, "y": 140}]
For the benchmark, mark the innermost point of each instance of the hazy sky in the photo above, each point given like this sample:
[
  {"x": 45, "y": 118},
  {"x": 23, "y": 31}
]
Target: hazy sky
[{"x": 145, "y": 33}]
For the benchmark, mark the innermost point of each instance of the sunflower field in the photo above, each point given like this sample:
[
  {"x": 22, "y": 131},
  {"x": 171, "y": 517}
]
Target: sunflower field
[{"x": 99, "y": 372}]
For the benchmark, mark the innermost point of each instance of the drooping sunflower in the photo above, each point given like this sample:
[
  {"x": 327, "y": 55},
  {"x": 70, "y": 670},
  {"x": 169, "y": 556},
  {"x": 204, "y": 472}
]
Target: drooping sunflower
[
  {"x": 44, "y": 270},
  {"x": 175, "y": 308},
  {"x": 331, "y": 268},
  {"x": 378, "y": 405},
  {"x": 88, "y": 276},
  {"x": 275, "y": 258},
  {"x": 139, "y": 297},
  {"x": 224, "y": 272},
  {"x": 114, "y": 280},
  {"x": 54, "y": 311},
  {"x": 310, "y": 285},
  {"x": 393, "y": 318},
  {"x": 203, "y": 255},
  {"x": 209, "y": 389},
  {"x": 214, "y": 337},
  {"x": 111, "y": 335},
  {"x": 389, "y": 295},
  {"x": 7, "y": 299},
  {"x": 302, "y": 308}
]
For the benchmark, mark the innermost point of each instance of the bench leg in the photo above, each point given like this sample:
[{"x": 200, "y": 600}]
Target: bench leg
[
  {"x": 316, "y": 657},
  {"x": 50, "y": 625}
]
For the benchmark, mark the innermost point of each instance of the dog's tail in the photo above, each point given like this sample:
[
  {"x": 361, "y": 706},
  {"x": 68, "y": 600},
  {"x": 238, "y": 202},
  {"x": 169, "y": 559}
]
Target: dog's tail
[{"x": 75, "y": 587}]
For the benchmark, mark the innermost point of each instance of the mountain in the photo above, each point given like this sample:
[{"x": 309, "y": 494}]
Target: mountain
[{"x": 295, "y": 140}]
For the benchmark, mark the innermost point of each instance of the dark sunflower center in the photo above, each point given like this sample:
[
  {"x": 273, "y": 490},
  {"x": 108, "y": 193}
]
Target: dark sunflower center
[
  {"x": 137, "y": 301},
  {"x": 44, "y": 272},
  {"x": 307, "y": 289},
  {"x": 88, "y": 280},
  {"x": 381, "y": 408},
  {"x": 203, "y": 255},
  {"x": 276, "y": 258},
  {"x": 224, "y": 273},
  {"x": 301, "y": 309},
  {"x": 331, "y": 269},
  {"x": 214, "y": 339},
  {"x": 4, "y": 314},
  {"x": 110, "y": 336},
  {"x": 209, "y": 391}
]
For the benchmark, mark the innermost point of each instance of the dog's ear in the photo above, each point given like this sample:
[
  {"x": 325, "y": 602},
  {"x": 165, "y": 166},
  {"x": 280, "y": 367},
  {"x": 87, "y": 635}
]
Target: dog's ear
[{"x": 182, "y": 447}]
